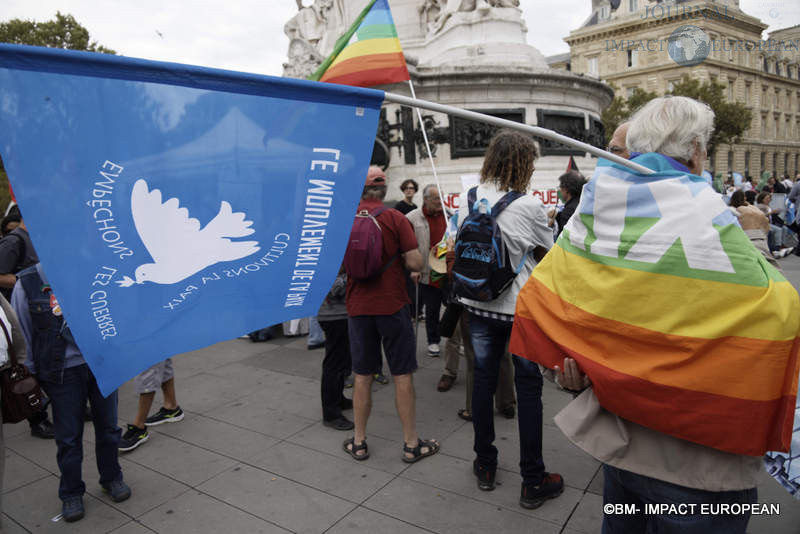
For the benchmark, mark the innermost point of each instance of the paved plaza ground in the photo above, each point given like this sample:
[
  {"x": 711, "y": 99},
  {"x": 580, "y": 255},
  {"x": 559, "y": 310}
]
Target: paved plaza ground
[{"x": 252, "y": 455}]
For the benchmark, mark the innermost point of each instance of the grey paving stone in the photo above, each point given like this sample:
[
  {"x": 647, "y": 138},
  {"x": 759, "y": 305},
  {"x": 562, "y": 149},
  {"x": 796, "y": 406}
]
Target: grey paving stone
[
  {"x": 252, "y": 413},
  {"x": 179, "y": 460},
  {"x": 345, "y": 478},
  {"x": 444, "y": 512},
  {"x": 228, "y": 440},
  {"x": 204, "y": 392},
  {"x": 42, "y": 452},
  {"x": 383, "y": 454},
  {"x": 149, "y": 489},
  {"x": 292, "y": 360},
  {"x": 10, "y": 526},
  {"x": 561, "y": 456},
  {"x": 455, "y": 475},
  {"x": 588, "y": 516},
  {"x": 596, "y": 485},
  {"x": 35, "y": 505},
  {"x": 364, "y": 520},
  {"x": 194, "y": 512},
  {"x": 290, "y": 394},
  {"x": 132, "y": 527},
  {"x": 20, "y": 472},
  {"x": 11, "y": 430},
  {"x": 293, "y": 506}
]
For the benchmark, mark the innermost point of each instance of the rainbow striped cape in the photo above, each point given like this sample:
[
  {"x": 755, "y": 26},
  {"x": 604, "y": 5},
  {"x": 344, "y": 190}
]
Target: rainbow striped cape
[
  {"x": 368, "y": 54},
  {"x": 678, "y": 320}
]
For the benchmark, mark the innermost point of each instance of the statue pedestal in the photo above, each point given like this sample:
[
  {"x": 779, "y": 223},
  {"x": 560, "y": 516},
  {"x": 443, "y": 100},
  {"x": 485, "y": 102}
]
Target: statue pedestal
[{"x": 489, "y": 37}]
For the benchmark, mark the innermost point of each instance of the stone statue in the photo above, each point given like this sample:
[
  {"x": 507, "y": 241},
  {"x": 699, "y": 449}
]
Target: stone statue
[
  {"x": 303, "y": 59},
  {"x": 428, "y": 11},
  {"x": 319, "y": 24}
]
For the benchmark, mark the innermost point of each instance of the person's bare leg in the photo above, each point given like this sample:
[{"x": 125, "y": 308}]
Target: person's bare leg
[
  {"x": 168, "y": 389},
  {"x": 145, "y": 403},
  {"x": 405, "y": 401},
  {"x": 362, "y": 404}
]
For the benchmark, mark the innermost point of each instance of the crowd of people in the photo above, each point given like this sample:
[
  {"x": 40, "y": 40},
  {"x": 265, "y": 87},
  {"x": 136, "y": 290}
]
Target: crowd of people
[{"x": 365, "y": 320}]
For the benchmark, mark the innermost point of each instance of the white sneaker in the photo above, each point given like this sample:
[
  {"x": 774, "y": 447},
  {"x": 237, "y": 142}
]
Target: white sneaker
[
  {"x": 433, "y": 350},
  {"x": 785, "y": 251}
]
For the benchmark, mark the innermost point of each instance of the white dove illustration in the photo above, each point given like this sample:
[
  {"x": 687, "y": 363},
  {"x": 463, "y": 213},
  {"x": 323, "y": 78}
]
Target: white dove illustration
[{"x": 176, "y": 243}]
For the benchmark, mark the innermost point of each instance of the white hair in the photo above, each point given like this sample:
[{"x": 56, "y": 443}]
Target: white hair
[{"x": 671, "y": 125}]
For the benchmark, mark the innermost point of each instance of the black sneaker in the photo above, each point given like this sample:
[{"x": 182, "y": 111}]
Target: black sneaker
[
  {"x": 485, "y": 476},
  {"x": 132, "y": 438},
  {"x": 534, "y": 496},
  {"x": 118, "y": 490},
  {"x": 165, "y": 416},
  {"x": 72, "y": 509},
  {"x": 43, "y": 429}
]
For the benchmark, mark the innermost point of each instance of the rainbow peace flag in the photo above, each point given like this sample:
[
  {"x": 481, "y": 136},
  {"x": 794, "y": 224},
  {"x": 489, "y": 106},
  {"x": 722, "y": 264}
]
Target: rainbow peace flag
[
  {"x": 368, "y": 54},
  {"x": 661, "y": 298}
]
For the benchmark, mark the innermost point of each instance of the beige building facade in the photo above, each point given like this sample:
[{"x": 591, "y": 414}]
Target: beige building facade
[{"x": 651, "y": 45}]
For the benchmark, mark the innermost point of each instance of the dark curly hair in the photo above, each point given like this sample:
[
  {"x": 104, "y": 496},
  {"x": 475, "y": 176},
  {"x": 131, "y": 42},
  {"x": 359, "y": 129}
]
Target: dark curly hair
[
  {"x": 737, "y": 199},
  {"x": 573, "y": 182},
  {"x": 409, "y": 181},
  {"x": 509, "y": 161}
]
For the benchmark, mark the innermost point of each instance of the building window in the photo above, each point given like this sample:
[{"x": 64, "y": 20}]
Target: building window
[
  {"x": 763, "y": 126},
  {"x": 778, "y": 69},
  {"x": 592, "y": 66},
  {"x": 730, "y": 160},
  {"x": 731, "y": 54},
  {"x": 604, "y": 12},
  {"x": 766, "y": 65},
  {"x": 785, "y": 164},
  {"x": 633, "y": 5},
  {"x": 670, "y": 85},
  {"x": 730, "y": 90},
  {"x": 763, "y": 161},
  {"x": 747, "y": 163},
  {"x": 633, "y": 56},
  {"x": 774, "y": 163},
  {"x": 747, "y": 88}
]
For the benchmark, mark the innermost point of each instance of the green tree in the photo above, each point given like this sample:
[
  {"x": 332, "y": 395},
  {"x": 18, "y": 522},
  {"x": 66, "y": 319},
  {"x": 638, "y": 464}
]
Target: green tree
[
  {"x": 621, "y": 109},
  {"x": 62, "y": 32}
]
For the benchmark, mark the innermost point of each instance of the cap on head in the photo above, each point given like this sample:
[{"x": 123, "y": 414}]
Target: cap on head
[{"x": 375, "y": 176}]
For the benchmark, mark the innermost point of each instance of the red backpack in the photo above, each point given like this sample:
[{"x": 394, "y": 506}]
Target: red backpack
[{"x": 364, "y": 254}]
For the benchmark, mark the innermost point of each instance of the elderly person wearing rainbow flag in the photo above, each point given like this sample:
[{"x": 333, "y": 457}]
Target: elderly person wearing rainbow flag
[{"x": 656, "y": 297}]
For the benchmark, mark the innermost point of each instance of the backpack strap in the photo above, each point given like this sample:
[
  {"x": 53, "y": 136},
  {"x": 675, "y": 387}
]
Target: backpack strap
[
  {"x": 504, "y": 201},
  {"x": 375, "y": 213},
  {"x": 472, "y": 196}
]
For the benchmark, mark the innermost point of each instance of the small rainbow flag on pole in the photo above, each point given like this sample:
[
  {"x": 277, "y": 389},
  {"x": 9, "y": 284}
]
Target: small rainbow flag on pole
[
  {"x": 368, "y": 54},
  {"x": 663, "y": 301}
]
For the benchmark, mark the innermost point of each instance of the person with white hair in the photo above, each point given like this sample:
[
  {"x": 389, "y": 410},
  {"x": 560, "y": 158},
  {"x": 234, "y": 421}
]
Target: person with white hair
[{"x": 642, "y": 465}]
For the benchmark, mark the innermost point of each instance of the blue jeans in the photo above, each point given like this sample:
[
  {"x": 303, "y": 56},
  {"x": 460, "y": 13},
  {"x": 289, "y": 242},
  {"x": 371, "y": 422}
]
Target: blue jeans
[
  {"x": 68, "y": 400},
  {"x": 624, "y": 487},
  {"x": 489, "y": 340}
]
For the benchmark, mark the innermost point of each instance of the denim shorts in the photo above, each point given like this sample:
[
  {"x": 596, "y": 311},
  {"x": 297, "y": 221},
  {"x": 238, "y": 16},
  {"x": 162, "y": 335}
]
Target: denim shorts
[{"x": 395, "y": 331}]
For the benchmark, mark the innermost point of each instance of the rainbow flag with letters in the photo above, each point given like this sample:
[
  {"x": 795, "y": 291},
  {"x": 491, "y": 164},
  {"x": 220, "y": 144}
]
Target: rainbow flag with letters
[
  {"x": 677, "y": 319},
  {"x": 368, "y": 54}
]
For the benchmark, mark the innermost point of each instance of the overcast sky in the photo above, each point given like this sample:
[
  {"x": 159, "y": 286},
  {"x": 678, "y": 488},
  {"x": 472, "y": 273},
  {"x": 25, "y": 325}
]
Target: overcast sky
[{"x": 247, "y": 35}]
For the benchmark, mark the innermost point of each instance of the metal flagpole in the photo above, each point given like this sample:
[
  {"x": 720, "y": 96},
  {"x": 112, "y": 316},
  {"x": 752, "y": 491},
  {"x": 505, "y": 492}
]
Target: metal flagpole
[
  {"x": 504, "y": 123},
  {"x": 427, "y": 147}
]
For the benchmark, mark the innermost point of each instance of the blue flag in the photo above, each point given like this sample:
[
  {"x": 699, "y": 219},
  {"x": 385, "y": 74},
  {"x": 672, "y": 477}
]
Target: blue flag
[{"x": 172, "y": 206}]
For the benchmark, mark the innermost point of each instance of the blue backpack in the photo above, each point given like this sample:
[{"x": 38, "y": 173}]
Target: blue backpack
[{"x": 482, "y": 270}]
